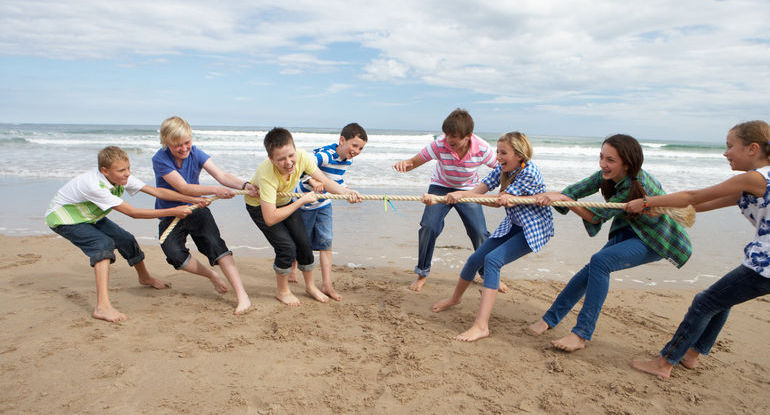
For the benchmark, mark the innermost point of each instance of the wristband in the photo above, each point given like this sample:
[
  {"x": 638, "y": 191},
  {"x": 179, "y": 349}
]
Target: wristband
[
  {"x": 645, "y": 207},
  {"x": 243, "y": 187}
]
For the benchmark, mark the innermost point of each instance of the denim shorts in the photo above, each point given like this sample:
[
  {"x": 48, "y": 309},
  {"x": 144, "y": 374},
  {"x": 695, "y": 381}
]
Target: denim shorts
[
  {"x": 98, "y": 241},
  {"x": 200, "y": 225},
  {"x": 318, "y": 224}
]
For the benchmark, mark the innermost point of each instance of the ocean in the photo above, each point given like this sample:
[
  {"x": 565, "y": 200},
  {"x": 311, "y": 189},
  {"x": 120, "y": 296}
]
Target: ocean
[{"x": 38, "y": 158}]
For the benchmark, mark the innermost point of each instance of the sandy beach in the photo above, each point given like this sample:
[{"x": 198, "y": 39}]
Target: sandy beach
[{"x": 380, "y": 350}]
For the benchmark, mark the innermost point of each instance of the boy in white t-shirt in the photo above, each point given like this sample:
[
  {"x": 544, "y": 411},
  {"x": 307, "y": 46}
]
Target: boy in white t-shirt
[{"x": 78, "y": 213}]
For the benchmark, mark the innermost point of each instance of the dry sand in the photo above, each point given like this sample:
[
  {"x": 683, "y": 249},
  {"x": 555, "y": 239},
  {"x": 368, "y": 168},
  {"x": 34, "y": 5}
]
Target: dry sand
[{"x": 380, "y": 350}]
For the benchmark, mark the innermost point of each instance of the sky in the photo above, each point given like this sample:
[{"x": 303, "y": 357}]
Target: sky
[{"x": 673, "y": 70}]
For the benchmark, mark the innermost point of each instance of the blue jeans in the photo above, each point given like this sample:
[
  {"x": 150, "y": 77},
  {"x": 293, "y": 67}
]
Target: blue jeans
[
  {"x": 98, "y": 241},
  {"x": 432, "y": 223},
  {"x": 623, "y": 250},
  {"x": 318, "y": 224},
  {"x": 493, "y": 254},
  {"x": 709, "y": 310}
]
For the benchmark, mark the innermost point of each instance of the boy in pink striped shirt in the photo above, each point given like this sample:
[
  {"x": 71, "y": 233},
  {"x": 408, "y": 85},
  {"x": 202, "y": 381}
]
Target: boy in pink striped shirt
[{"x": 459, "y": 154}]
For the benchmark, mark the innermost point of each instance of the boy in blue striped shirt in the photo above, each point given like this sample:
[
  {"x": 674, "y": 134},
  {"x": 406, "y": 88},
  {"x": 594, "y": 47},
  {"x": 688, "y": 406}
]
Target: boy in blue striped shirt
[{"x": 333, "y": 160}]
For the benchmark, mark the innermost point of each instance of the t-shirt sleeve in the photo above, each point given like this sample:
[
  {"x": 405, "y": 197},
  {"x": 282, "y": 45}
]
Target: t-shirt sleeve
[
  {"x": 268, "y": 186},
  {"x": 162, "y": 164},
  {"x": 200, "y": 157},
  {"x": 307, "y": 163},
  {"x": 134, "y": 185},
  {"x": 430, "y": 152}
]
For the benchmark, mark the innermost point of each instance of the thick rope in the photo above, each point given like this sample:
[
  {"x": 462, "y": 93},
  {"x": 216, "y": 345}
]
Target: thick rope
[
  {"x": 174, "y": 222},
  {"x": 685, "y": 216}
]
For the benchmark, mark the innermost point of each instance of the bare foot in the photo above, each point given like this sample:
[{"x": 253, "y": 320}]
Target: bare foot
[
  {"x": 287, "y": 298},
  {"x": 109, "y": 314},
  {"x": 503, "y": 288},
  {"x": 658, "y": 367},
  {"x": 417, "y": 285},
  {"x": 472, "y": 334},
  {"x": 537, "y": 328},
  {"x": 243, "y": 307},
  {"x": 332, "y": 293},
  {"x": 442, "y": 305},
  {"x": 154, "y": 283},
  {"x": 569, "y": 343},
  {"x": 314, "y": 292},
  {"x": 690, "y": 359},
  {"x": 219, "y": 284}
]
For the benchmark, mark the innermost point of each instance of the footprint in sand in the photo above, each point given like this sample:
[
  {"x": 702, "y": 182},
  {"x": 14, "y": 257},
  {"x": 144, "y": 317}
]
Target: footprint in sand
[{"x": 21, "y": 259}]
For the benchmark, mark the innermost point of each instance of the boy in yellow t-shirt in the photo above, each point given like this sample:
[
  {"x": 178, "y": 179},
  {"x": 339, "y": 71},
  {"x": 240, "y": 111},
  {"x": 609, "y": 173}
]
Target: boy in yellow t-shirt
[{"x": 279, "y": 218}]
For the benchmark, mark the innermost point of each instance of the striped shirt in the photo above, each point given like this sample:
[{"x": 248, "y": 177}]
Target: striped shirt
[
  {"x": 332, "y": 165},
  {"x": 456, "y": 173},
  {"x": 537, "y": 221},
  {"x": 87, "y": 198},
  {"x": 660, "y": 233}
]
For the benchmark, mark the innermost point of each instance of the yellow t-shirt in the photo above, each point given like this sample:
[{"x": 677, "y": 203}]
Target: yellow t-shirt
[{"x": 270, "y": 181}]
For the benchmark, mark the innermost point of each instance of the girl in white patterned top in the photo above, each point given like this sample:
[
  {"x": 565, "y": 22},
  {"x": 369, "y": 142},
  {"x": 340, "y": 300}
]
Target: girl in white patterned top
[{"x": 748, "y": 149}]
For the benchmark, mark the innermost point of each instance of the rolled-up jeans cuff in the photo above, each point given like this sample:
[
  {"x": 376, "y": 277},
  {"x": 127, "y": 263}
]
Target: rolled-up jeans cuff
[{"x": 422, "y": 272}]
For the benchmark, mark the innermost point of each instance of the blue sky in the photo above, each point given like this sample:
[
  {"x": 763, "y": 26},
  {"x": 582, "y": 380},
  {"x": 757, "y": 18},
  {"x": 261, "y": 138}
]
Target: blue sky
[{"x": 685, "y": 70}]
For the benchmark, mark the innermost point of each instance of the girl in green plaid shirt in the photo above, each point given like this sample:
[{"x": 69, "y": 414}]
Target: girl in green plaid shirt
[{"x": 633, "y": 239}]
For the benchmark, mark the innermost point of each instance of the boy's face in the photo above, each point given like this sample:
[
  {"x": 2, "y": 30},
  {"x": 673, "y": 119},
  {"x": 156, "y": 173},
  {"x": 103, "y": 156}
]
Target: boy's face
[
  {"x": 180, "y": 149},
  {"x": 349, "y": 148},
  {"x": 118, "y": 172},
  {"x": 457, "y": 143},
  {"x": 284, "y": 159}
]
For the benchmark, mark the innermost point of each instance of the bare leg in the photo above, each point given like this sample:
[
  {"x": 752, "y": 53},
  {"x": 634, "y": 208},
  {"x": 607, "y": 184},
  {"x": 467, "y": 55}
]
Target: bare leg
[
  {"x": 293, "y": 274},
  {"x": 658, "y": 367},
  {"x": 282, "y": 291},
  {"x": 480, "y": 327},
  {"x": 537, "y": 328},
  {"x": 104, "y": 309},
  {"x": 326, "y": 275},
  {"x": 146, "y": 279},
  {"x": 227, "y": 263},
  {"x": 455, "y": 299},
  {"x": 195, "y": 267},
  {"x": 418, "y": 283},
  {"x": 690, "y": 359},
  {"x": 569, "y": 343},
  {"x": 311, "y": 289}
]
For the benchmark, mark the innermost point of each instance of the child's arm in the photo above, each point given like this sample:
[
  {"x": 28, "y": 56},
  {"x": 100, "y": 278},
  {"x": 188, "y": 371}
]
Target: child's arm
[
  {"x": 137, "y": 213},
  {"x": 333, "y": 187},
  {"x": 545, "y": 199},
  {"x": 453, "y": 197},
  {"x": 180, "y": 185},
  {"x": 273, "y": 215},
  {"x": 228, "y": 179},
  {"x": 404, "y": 166},
  {"x": 168, "y": 194}
]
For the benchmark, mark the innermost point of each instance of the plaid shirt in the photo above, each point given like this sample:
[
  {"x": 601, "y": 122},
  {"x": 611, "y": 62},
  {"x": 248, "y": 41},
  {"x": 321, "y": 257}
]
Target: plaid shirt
[
  {"x": 661, "y": 234},
  {"x": 537, "y": 221}
]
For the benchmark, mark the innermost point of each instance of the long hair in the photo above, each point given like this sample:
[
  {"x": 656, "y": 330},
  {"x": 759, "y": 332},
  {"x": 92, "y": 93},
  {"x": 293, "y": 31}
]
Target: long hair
[
  {"x": 754, "y": 132},
  {"x": 523, "y": 148},
  {"x": 631, "y": 155}
]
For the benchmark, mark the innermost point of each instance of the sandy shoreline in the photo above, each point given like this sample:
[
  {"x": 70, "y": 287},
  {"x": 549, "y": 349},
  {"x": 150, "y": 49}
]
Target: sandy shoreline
[{"x": 380, "y": 350}]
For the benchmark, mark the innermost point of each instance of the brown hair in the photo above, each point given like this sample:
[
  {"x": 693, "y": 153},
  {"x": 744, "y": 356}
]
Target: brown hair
[
  {"x": 354, "y": 130},
  {"x": 277, "y": 138},
  {"x": 458, "y": 123},
  {"x": 754, "y": 132},
  {"x": 630, "y": 152}
]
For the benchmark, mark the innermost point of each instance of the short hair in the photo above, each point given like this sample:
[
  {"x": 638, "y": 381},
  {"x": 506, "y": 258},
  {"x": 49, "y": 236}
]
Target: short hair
[
  {"x": 458, "y": 123},
  {"x": 353, "y": 130},
  {"x": 172, "y": 129},
  {"x": 277, "y": 138},
  {"x": 109, "y": 155}
]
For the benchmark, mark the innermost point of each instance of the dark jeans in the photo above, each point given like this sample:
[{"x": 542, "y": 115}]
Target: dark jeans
[
  {"x": 432, "y": 223},
  {"x": 98, "y": 241},
  {"x": 200, "y": 225},
  {"x": 288, "y": 239},
  {"x": 709, "y": 310}
]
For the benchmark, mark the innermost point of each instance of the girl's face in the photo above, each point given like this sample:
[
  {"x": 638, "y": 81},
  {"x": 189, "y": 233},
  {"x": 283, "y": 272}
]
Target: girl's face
[
  {"x": 509, "y": 160},
  {"x": 181, "y": 149},
  {"x": 611, "y": 164},
  {"x": 737, "y": 153},
  {"x": 284, "y": 159}
]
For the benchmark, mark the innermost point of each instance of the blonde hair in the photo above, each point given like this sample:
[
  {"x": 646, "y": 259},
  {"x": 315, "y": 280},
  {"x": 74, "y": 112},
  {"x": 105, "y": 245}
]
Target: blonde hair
[
  {"x": 754, "y": 132},
  {"x": 173, "y": 129},
  {"x": 109, "y": 155},
  {"x": 522, "y": 147}
]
